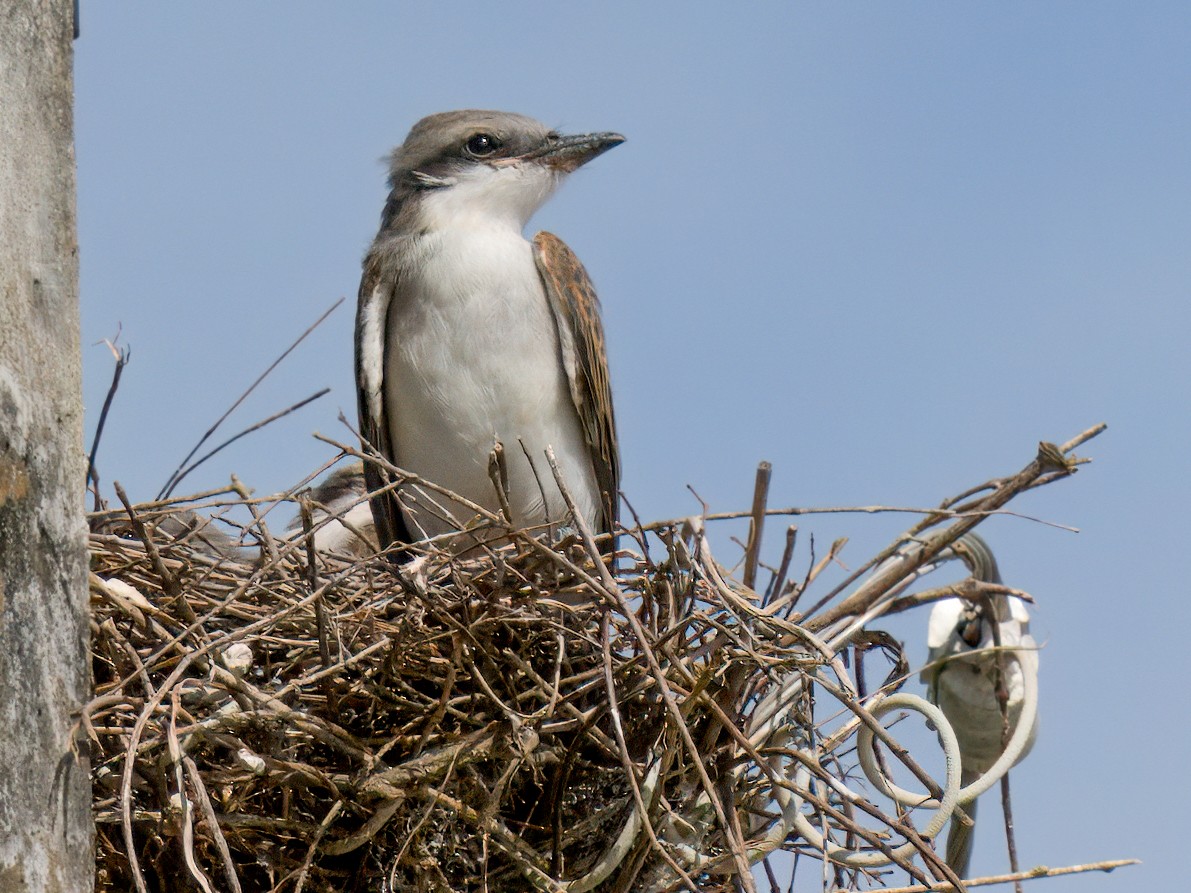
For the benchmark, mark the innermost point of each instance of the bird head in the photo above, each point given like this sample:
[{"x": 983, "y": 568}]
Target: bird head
[{"x": 482, "y": 168}]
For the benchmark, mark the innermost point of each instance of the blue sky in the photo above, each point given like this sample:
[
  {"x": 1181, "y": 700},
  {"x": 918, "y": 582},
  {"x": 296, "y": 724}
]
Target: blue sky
[{"x": 888, "y": 247}]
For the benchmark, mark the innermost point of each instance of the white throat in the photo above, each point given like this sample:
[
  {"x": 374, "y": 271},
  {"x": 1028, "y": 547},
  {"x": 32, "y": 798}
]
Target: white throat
[{"x": 504, "y": 195}]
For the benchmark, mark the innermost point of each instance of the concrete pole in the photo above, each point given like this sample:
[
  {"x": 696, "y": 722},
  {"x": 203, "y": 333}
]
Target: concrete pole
[{"x": 45, "y": 791}]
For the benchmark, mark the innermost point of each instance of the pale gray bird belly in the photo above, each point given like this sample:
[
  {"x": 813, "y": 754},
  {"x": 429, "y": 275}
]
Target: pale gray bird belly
[
  {"x": 473, "y": 358},
  {"x": 967, "y": 696}
]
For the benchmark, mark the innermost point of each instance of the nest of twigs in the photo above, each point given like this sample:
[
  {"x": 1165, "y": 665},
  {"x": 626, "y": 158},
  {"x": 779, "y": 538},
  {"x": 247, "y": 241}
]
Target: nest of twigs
[{"x": 534, "y": 716}]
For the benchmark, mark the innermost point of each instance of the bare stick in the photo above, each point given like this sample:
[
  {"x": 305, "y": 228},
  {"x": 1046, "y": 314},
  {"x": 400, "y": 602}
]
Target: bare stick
[
  {"x": 122, "y": 355},
  {"x": 498, "y": 472},
  {"x": 313, "y": 848},
  {"x": 936, "y": 512},
  {"x": 1040, "y": 872},
  {"x": 1010, "y": 839},
  {"x": 752, "y": 552},
  {"x": 178, "y": 475},
  {"x": 1001, "y": 690},
  {"x": 173, "y": 479},
  {"x": 208, "y": 811},
  {"x": 320, "y": 608},
  {"x": 777, "y": 588}
]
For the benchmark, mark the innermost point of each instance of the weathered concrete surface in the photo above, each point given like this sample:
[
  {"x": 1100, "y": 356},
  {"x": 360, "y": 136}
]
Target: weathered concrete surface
[{"x": 45, "y": 795}]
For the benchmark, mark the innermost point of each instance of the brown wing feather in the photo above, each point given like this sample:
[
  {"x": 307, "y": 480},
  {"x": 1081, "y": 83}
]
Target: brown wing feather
[
  {"x": 374, "y": 299},
  {"x": 577, "y": 313}
]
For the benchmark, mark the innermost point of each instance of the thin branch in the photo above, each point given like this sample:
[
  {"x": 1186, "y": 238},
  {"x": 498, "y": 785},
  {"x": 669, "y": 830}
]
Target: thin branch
[
  {"x": 122, "y": 355},
  {"x": 777, "y": 586},
  {"x": 1032, "y": 874},
  {"x": 752, "y": 552},
  {"x": 179, "y": 475},
  {"x": 172, "y": 482}
]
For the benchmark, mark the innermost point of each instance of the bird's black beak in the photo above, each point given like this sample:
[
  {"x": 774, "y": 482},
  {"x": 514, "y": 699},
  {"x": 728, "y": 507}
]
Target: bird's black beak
[{"x": 566, "y": 153}]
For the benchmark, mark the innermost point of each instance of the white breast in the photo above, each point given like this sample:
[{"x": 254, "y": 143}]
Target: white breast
[{"x": 472, "y": 358}]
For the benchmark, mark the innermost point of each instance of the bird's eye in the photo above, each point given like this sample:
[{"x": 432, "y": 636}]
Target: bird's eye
[{"x": 482, "y": 144}]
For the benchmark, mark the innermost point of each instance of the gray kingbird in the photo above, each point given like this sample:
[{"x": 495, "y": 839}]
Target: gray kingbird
[{"x": 469, "y": 336}]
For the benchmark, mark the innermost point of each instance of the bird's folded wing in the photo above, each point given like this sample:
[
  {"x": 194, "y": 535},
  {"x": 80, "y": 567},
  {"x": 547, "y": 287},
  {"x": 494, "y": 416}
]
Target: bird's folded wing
[
  {"x": 376, "y": 296},
  {"x": 581, "y": 338}
]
